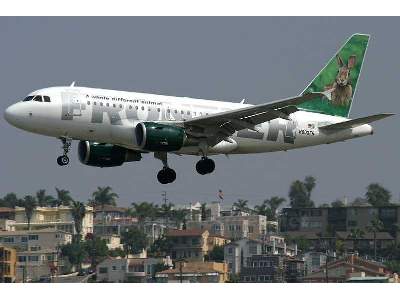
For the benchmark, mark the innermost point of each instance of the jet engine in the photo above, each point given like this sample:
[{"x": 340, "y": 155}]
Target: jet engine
[
  {"x": 105, "y": 155},
  {"x": 152, "y": 136}
]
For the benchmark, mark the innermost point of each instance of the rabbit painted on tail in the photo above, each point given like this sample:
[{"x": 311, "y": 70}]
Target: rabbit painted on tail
[{"x": 341, "y": 89}]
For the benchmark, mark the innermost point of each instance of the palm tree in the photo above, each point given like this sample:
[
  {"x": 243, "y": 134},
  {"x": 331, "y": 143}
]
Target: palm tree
[
  {"x": 78, "y": 213},
  {"x": 63, "y": 197},
  {"x": 179, "y": 216},
  {"x": 29, "y": 205},
  {"x": 274, "y": 203},
  {"x": 104, "y": 196},
  {"x": 144, "y": 210},
  {"x": 43, "y": 199},
  {"x": 376, "y": 226},
  {"x": 241, "y": 205}
]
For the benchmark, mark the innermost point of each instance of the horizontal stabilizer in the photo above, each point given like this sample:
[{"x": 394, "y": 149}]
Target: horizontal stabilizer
[{"x": 356, "y": 122}]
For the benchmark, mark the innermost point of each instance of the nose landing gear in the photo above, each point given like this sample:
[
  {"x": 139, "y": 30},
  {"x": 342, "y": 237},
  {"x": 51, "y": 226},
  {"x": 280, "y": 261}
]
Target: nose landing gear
[
  {"x": 63, "y": 160},
  {"x": 205, "y": 166}
]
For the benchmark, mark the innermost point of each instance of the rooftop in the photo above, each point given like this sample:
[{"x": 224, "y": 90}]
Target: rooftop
[{"x": 187, "y": 232}]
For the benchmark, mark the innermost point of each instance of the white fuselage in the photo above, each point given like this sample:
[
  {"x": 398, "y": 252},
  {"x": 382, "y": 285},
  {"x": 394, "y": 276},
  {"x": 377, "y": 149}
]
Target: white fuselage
[{"x": 108, "y": 116}]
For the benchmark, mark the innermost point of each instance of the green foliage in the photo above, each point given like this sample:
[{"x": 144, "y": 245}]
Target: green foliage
[
  {"x": 241, "y": 205},
  {"x": 300, "y": 193},
  {"x": 377, "y": 195},
  {"x": 96, "y": 249},
  {"x": 78, "y": 214},
  {"x": 117, "y": 253},
  {"x": 134, "y": 241},
  {"x": 161, "y": 247},
  {"x": 216, "y": 254},
  {"x": 104, "y": 196},
  {"x": 63, "y": 197},
  {"x": 29, "y": 205},
  {"x": 11, "y": 200},
  {"x": 337, "y": 203},
  {"x": 43, "y": 199},
  {"x": 393, "y": 265},
  {"x": 75, "y": 253},
  {"x": 269, "y": 207},
  {"x": 145, "y": 210}
]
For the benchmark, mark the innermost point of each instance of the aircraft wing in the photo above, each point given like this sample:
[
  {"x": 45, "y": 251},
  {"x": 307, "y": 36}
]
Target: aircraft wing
[
  {"x": 356, "y": 122},
  {"x": 226, "y": 123}
]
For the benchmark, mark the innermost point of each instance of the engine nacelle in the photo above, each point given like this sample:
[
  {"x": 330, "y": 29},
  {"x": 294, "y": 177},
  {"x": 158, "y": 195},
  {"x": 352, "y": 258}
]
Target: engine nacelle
[
  {"x": 105, "y": 155},
  {"x": 152, "y": 136}
]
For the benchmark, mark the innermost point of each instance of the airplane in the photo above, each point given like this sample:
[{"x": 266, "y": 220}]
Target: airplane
[{"x": 114, "y": 127}]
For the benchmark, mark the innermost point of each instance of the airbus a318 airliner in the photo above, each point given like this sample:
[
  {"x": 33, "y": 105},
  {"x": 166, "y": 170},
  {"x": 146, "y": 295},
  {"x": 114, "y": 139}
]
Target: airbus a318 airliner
[{"x": 114, "y": 127}]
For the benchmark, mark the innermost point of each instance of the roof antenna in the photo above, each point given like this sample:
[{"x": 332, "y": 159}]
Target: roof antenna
[{"x": 72, "y": 84}]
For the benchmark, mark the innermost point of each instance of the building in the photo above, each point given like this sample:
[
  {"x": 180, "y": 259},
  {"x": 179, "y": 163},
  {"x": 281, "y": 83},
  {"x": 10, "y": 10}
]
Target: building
[
  {"x": 263, "y": 268},
  {"x": 38, "y": 252},
  {"x": 294, "y": 269},
  {"x": 195, "y": 271},
  {"x": 238, "y": 252},
  {"x": 7, "y": 225},
  {"x": 113, "y": 241},
  {"x": 132, "y": 269},
  {"x": 8, "y": 264},
  {"x": 7, "y": 213},
  {"x": 192, "y": 244},
  {"x": 108, "y": 213},
  {"x": 234, "y": 226},
  {"x": 58, "y": 218},
  {"x": 342, "y": 269},
  {"x": 329, "y": 220},
  {"x": 365, "y": 241},
  {"x": 313, "y": 261}
]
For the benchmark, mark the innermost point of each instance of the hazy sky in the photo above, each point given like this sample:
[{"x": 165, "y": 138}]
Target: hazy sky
[{"x": 260, "y": 59}]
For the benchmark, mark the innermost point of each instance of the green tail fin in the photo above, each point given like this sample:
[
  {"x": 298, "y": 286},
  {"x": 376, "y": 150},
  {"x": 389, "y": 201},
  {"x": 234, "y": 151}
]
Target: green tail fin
[{"x": 338, "y": 79}]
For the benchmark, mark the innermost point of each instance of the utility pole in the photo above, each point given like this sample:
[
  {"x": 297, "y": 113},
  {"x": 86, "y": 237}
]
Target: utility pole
[{"x": 165, "y": 199}]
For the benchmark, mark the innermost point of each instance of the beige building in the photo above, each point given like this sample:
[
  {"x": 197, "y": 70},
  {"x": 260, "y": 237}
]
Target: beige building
[
  {"x": 59, "y": 218},
  {"x": 37, "y": 251},
  {"x": 233, "y": 227},
  {"x": 8, "y": 264},
  {"x": 113, "y": 241},
  {"x": 7, "y": 225},
  {"x": 195, "y": 271},
  {"x": 193, "y": 244}
]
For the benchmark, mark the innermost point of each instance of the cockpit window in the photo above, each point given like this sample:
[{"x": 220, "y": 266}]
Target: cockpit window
[
  {"x": 38, "y": 98},
  {"x": 29, "y": 98},
  {"x": 46, "y": 98}
]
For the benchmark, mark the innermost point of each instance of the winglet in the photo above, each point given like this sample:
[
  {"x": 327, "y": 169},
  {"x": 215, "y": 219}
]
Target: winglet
[
  {"x": 356, "y": 122},
  {"x": 241, "y": 102},
  {"x": 72, "y": 84}
]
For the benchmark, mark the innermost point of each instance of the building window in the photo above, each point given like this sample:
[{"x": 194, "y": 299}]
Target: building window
[
  {"x": 103, "y": 270},
  {"x": 33, "y": 237},
  {"x": 251, "y": 229},
  {"x": 21, "y": 258},
  {"x": 8, "y": 240},
  {"x": 114, "y": 268},
  {"x": 34, "y": 258},
  {"x": 230, "y": 250},
  {"x": 24, "y": 239}
]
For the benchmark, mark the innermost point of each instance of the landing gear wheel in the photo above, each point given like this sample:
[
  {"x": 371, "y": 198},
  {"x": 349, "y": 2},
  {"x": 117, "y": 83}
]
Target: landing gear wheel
[
  {"x": 205, "y": 166},
  {"x": 63, "y": 160},
  {"x": 166, "y": 175}
]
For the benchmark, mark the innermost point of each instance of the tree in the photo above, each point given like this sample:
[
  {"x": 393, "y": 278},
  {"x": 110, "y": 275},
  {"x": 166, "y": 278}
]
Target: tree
[
  {"x": 179, "y": 217},
  {"x": 274, "y": 203},
  {"x": 264, "y": 210},
  {"x": 96, "y": 248},
  {"x": 63, "y": 197},
  {"x": 376, "y": 226},
  {"x": 75, "y": 252},
  {"x": 359, "y": 201},
  {"x": 161, "y": 247},
  {"x": 29, "y": 205},
  {"x": 241, "y": 205},
  {"x": 11, "y": 200},
  {"x": 145, "y": 210},
  {"x": 356, "y": 234},
  {"x": 104, "y": 196},
  {"x": 203, "y": 211},
  {"x": 134, "y": 241},
  {"x": 300, "y": 193},
  {"x": 216, "y": 254},
  {"x": 43, "y": 199},
  {"x": 337, "y": 203},
  {"x": 78, "y": 214},
  {"x": 377, "y": 195}
]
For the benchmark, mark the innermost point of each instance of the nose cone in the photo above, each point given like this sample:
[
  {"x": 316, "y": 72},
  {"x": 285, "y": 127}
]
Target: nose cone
[{"x": 13, "y": 115}]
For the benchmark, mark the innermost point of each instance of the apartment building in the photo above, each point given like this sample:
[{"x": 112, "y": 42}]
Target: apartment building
[
  {"x": 195, "y": 271},
  {"x": 328, "y": 220},
  {"x": 108, "y": 213},
  {"x": 38, "y": 251},
  {"x": 132, "y": 269},
  {"x": 113, "y": 241},
  {"x": 58, "y": 218},
  {"x": 263, "y": 268},
  {"x": 238, "y": 252},
  {"x": 233, "y": 227},
  {"x": 7, "y": 213},
  {"x": 8, "y": 264},
  {"x": 192, "y": 244},
  {"x": 7, "y": 225}
]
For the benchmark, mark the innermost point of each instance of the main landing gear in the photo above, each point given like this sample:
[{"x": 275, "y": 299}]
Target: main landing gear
[
  {"x": 166, "y": 174},
  {"x": 205, "y": 166},
  {"x": 63, "y": 160}
]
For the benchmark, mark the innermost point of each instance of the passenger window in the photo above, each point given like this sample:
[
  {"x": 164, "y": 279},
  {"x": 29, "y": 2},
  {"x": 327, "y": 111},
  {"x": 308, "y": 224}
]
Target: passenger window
[
  {"x": 38, "y": 98},
  {"x": 46, "y": 98},
  {"x": 120, "y": 106}
]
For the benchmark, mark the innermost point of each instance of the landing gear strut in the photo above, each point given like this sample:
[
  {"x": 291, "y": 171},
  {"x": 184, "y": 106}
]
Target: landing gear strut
[
  {"x": 205, "y": 165},
  {"x": 166, "y": 174},
  {"x": 63, "y": 160}
]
